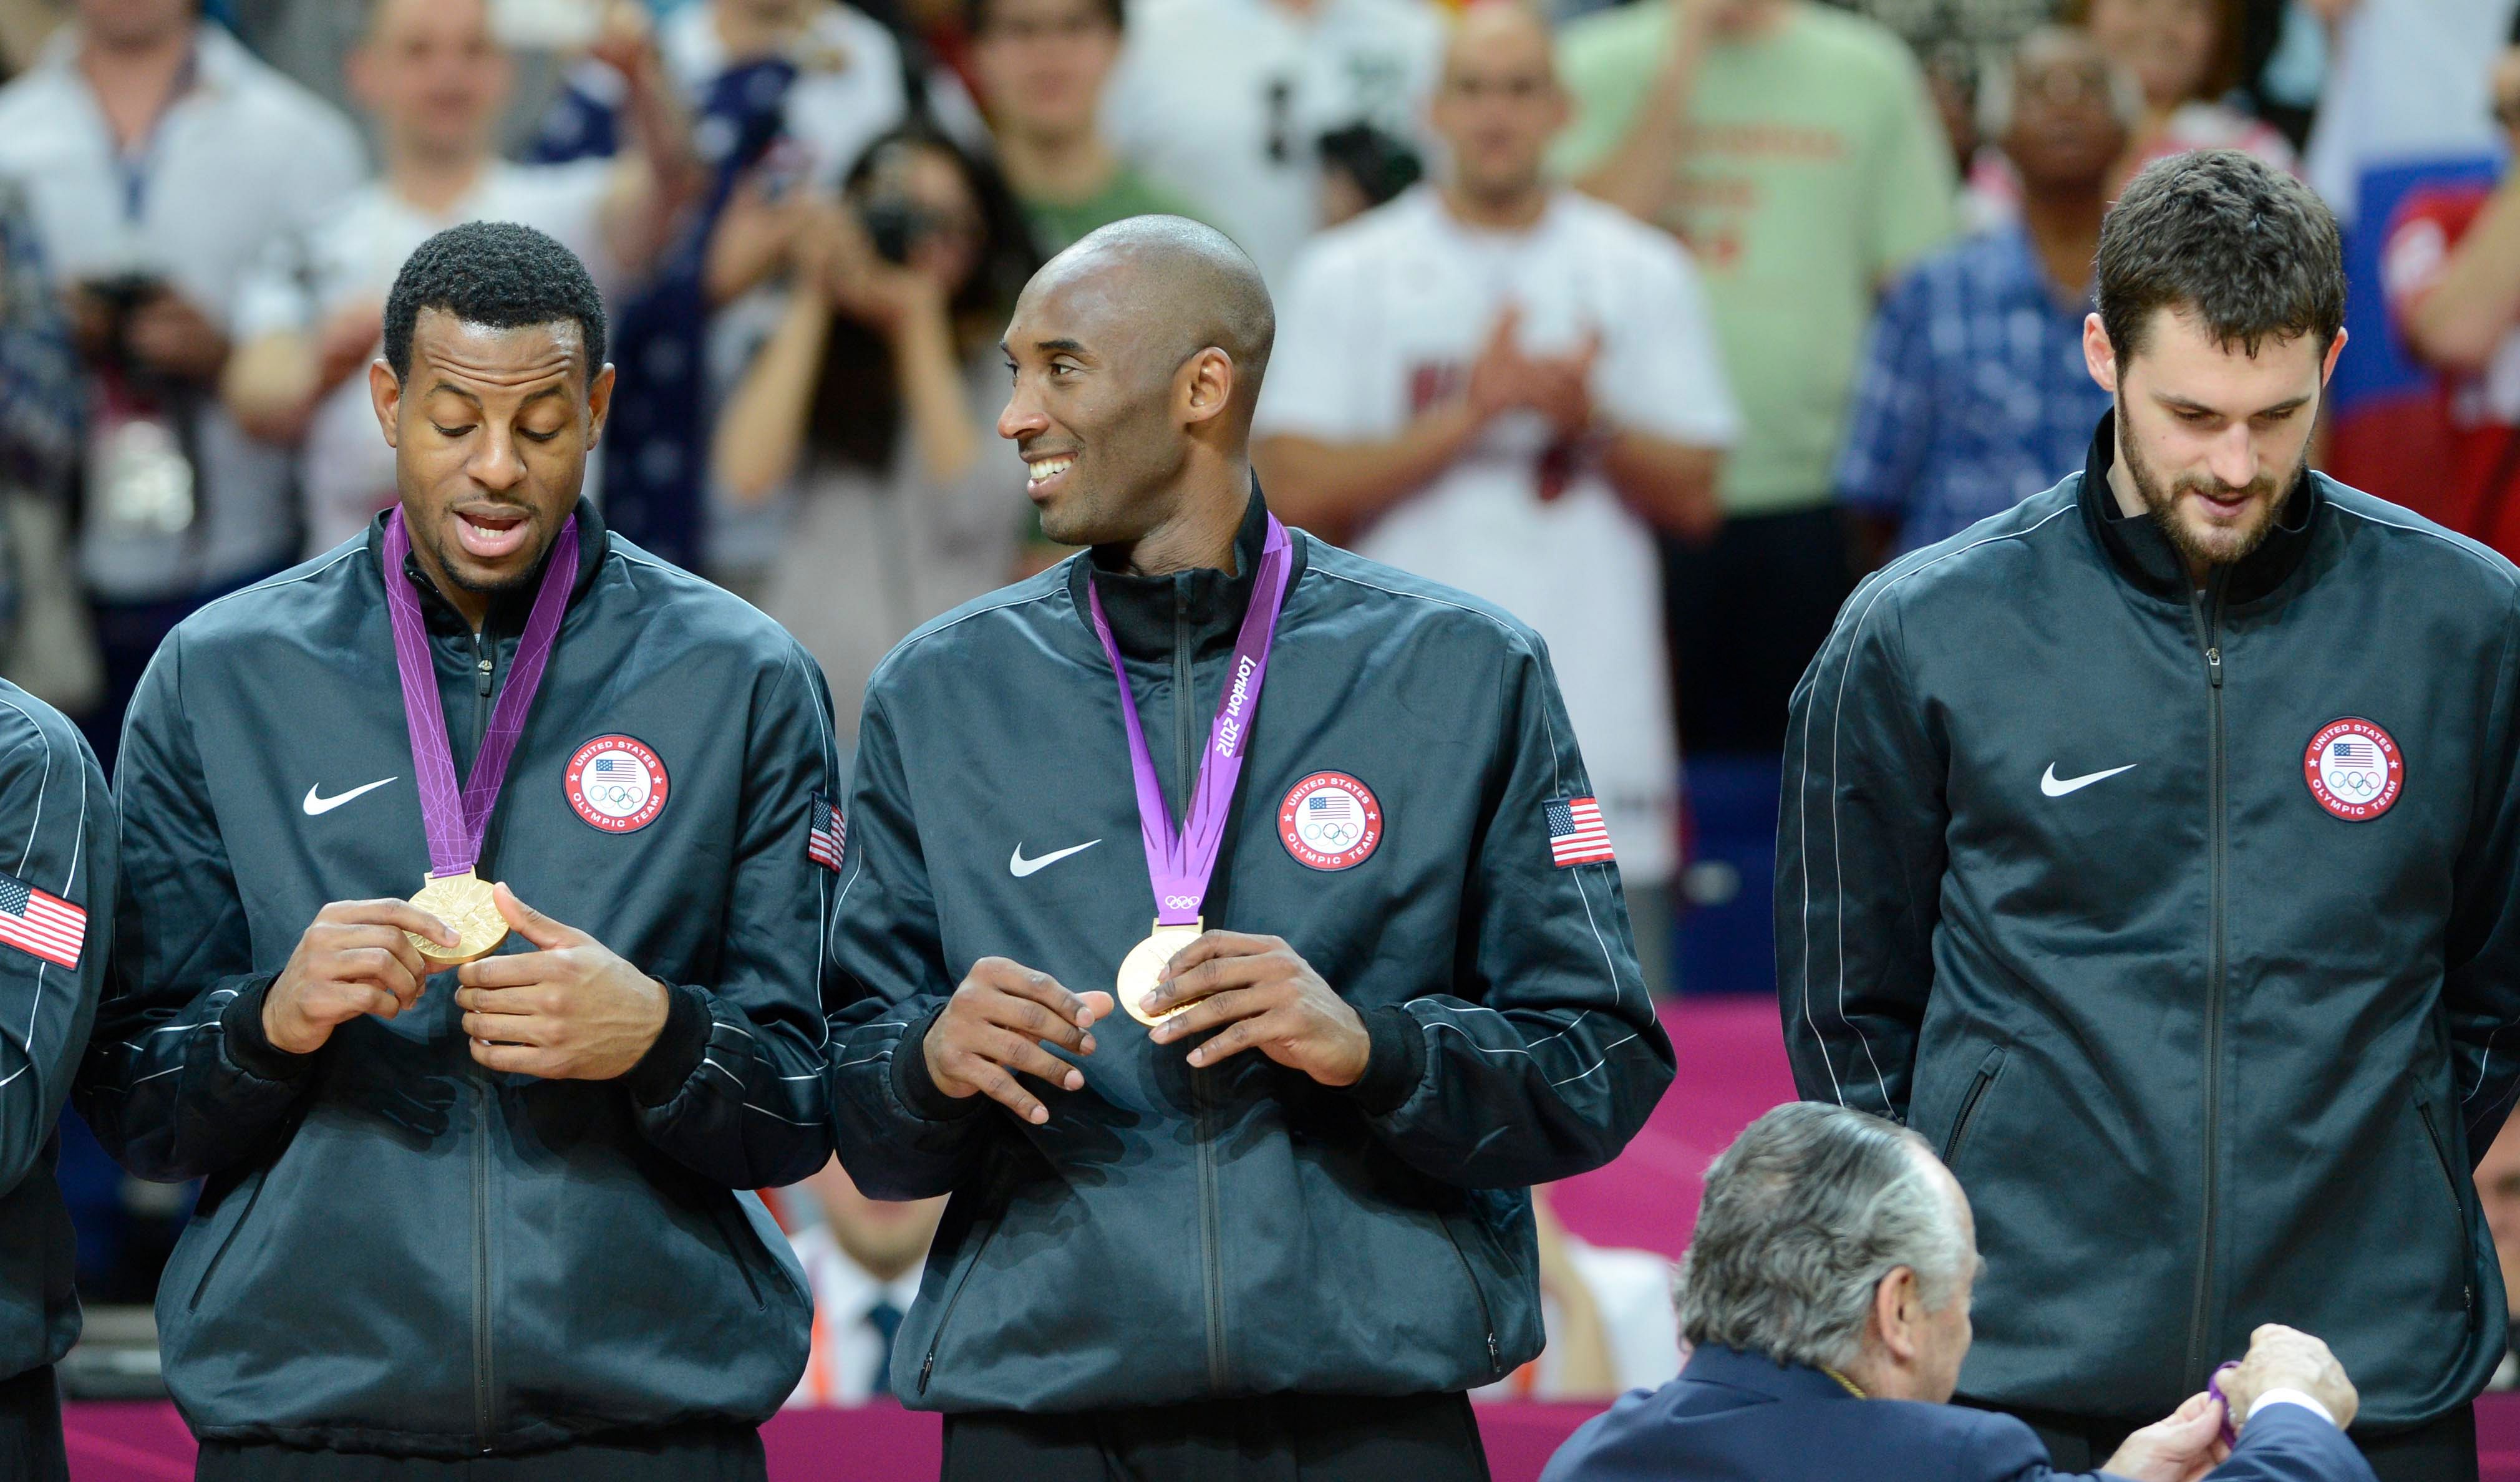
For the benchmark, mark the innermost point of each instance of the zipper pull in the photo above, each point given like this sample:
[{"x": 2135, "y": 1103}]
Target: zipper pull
[
  {"x": 2213, "y": 667},
  {"x": 927, "y": 1367},
  {"x": 481, "y": 680},
  {"x": 1496, "y": 1355}
]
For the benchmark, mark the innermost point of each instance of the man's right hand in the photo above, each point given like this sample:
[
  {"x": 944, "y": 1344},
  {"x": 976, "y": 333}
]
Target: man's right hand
[
  {"x": 353, "y": 960},
  {"x": 996, "y": 1025},
  {"x": 2285, "y": 1357}
]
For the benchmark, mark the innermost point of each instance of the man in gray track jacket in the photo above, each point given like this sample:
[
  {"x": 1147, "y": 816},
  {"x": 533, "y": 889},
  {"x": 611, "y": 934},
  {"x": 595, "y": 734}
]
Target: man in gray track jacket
[
  {"x": 2154, "y": 849},
  {"x": 492, "y": 1212},
  {"x": 1278, "y": 1235},
  {"x": 58, "y": 853}
]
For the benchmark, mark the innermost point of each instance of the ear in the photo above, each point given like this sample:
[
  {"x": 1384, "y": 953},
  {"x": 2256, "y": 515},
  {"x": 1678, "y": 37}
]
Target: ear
[
  {"x": 1205, "y": 386},
  {"x": 384, "y": 393},
  {"x": 2335, "y": 348},
  {"x": 598, "y": 404},
  {"x": 1898, "y": 1311},
  {"x": 2101, "y": 357}
]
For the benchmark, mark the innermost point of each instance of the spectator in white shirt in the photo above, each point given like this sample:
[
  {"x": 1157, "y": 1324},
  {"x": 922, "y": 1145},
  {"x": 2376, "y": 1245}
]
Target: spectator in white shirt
[
  {"x": 1225, "y": 102},
  {"x": 1607, "y": 1313},
  {"x": 312, "y": 316},
  {"x": 862, "y": 1262},
  {"x": 160, "y": 157},
  {"x": 1507, "y": 387}
]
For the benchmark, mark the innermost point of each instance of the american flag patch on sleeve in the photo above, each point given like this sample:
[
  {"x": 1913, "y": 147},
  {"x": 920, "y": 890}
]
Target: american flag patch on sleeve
[
  {"x": 827, "y": 833},
  {"x": 50, "y": 927},
  {"x": 1576, "y": 834}
]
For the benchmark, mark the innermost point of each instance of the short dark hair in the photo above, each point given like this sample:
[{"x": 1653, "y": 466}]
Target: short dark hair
[
  {"x": 496, "y": 274},
  {"x": 975, "y": 16},
  {"x": 2238, "y": 243}
]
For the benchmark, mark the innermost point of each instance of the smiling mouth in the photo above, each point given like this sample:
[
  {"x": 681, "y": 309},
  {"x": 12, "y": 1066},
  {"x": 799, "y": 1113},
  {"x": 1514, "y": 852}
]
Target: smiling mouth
[
  {"x": 1041, "y": 474},
  {"x": 490, "y": 534}
]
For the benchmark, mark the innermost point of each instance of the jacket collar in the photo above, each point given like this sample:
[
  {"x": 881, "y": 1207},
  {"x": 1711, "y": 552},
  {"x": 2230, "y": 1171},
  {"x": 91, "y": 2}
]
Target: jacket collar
[
  {"x": 1760, "y": 1374},
  {"x": 1145, "y": 611},
  {"x": 2146, "y": 557},
  {"x": 508, "y": 611}
]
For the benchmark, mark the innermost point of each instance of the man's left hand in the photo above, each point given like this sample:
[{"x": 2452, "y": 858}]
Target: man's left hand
[
  {"x": 2180, "y": 1449},
  {"x": 1259, "y": 995},
  {"x": 570, "y": 1010}
]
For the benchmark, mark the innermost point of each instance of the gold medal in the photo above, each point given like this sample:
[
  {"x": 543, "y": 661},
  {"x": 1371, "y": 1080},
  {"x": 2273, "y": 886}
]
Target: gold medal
[
  {"x": 464, "y": 902},
  {"x": 1137, "y": 975}
]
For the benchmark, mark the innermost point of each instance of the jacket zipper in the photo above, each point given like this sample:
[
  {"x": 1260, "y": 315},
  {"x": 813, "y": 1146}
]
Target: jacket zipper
[
  {"x": 1211, "y": 1218},
  {"x": 945, "y": 1318},
  {"x": 484, "y": 667},
  {"x": 1487, "y": 1317},
  {"x": 2207, "y": 612}
]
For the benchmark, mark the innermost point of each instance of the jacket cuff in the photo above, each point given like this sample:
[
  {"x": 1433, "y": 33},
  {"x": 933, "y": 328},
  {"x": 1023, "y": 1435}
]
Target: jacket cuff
[
  {"x": 1395, "y": 1063},
  {"x": 911, "y": 1083},
  {"x": 678, "y": 1051},
  {"x": 248, "y": 1047}
]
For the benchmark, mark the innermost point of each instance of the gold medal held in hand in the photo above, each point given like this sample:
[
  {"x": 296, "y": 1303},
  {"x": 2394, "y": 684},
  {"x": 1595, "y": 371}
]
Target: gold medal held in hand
[
  {"x": 1136, "y": 976},
  {"x": 464, "y": 902}
]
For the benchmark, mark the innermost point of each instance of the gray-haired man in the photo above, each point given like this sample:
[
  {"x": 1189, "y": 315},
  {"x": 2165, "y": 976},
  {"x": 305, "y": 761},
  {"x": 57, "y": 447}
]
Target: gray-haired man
[{"x": 1834, "y": 1259}]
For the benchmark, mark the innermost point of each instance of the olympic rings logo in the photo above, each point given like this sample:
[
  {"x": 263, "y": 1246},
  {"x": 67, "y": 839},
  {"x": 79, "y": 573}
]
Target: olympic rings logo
[
  {"x": 2360, "y": 784},
  {"x": 1329, "y": 833},
  {"x": 1181, "y": 903},
  {"x": 617, "y": 794}
]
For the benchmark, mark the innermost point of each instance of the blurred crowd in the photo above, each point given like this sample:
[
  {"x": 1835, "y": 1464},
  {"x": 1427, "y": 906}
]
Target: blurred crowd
[{"x": 1658, "y": 324}]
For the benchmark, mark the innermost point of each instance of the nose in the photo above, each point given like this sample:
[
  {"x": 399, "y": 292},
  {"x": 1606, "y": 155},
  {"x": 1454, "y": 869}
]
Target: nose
[
  {"x": 2233, "y": 458},
  {"x": 1020, "y": 419},
  {"x": 497, "y": 466}
]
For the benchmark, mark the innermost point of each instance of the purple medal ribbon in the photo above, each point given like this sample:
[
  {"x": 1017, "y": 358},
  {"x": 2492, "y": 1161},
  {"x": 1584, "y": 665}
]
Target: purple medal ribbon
[
  {"x": 1180, "y": 863},
  {"x": 455, "y": 821}
]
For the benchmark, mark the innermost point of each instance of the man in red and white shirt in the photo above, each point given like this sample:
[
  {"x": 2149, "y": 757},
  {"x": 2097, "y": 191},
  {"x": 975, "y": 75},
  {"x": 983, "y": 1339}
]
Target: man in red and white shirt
[
  {"x": 2451, "y": 263},
  {"x": 1507, "y": 387}
]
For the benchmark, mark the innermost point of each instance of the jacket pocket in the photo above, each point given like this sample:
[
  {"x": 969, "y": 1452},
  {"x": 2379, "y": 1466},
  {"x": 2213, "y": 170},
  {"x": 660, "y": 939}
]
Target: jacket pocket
[
  {"x": 1979, "y": 1084},
  {"x": 2457, "y": 1204},
  {"x": 735, "y": 1242},
  {"x": 945, "y": 1318},
  {"x": 262, "y": 1180},
  {"x": 1487, "y": 1312}
]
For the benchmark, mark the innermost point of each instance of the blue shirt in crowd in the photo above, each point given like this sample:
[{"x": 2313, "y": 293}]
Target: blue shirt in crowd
[{"x": 1973, "y": 394}]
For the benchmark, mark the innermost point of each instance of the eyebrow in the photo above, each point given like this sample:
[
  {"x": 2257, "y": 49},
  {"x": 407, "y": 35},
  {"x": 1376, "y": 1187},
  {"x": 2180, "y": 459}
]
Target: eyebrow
[{"x": 2182, "y": 404}]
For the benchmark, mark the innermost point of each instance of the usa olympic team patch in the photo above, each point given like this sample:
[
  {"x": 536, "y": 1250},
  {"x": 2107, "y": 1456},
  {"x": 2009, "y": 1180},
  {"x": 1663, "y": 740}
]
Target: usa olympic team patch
[
  {"x": 1330, "y": 821},
  {"x": 2353, "y": 768},
  {"x": 617, "y": 783}
]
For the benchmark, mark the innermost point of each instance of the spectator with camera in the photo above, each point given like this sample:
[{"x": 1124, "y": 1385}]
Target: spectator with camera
[
  {"x": 436, "y": 81},
  {"x": 872, "y": 411},
  {"x": 1042, "y": 66},
  {"x": 160, "y": 157}
]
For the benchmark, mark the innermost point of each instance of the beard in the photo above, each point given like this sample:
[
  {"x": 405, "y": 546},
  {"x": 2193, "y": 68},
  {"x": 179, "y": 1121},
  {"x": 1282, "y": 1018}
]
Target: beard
[{"x": 2209, "y": 546}]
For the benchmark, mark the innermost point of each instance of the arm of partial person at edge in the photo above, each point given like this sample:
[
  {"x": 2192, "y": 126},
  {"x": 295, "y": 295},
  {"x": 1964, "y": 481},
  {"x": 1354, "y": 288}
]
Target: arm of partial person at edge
[
  {"x": 55, "y": 807},
  {"x": 761, "y": 432},
  {"x": 1860, "y": 857},
  {"x": 180, "y": 1080},
  {"x": 1539, "y": 1055},
  {"x": 2481, "y": 944},
  {"x": 898, "y": 1135},
  {"x": 2289, "y": 1437},
  {"x": 733, "y": 1087},
  {"x": 657, "y": 179},
  {"x": 2469, "y": 309}
]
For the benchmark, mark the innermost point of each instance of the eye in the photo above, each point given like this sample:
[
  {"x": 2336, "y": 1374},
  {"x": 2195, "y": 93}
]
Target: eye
[
  {"x": 532, "y": 436},
  {"x": 447, "y": 432}
]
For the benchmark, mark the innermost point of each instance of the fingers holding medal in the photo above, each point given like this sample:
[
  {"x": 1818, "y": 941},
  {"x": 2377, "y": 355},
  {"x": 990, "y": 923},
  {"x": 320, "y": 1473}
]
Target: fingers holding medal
[
  {"x": 1257, "y": 993},
  {"x": 999, "y": 1025},
  {"x": 356, "y": 958}
]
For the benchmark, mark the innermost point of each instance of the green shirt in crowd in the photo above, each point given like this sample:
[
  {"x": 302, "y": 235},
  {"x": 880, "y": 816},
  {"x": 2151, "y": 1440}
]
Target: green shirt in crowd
[
  {"x": 1819, "y": 169},
  {"x": 1058, "y": 223}
]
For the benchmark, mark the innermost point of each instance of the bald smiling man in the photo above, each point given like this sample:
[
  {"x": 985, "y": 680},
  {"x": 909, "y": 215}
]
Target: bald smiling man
[{"x": 1228, "y": 927}]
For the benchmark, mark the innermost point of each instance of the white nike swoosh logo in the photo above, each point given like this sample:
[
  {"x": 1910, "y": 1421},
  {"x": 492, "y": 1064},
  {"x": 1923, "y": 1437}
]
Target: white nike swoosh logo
[
  {"x": 1019, "y": 867},
  {"x": 318, "y": 805},
  {"x": 2055, "y": 787}
]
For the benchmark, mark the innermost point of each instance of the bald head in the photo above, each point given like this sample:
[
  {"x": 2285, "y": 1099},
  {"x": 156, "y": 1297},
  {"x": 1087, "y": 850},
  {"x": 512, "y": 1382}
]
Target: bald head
[
  {"x": 1137, "y": 355},
  {"x": 1190, "y": 284},
  {"x": 1497, "y": 106}
]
